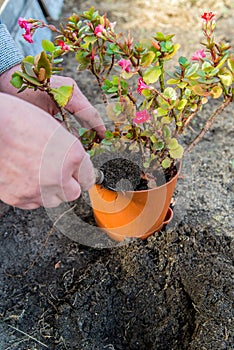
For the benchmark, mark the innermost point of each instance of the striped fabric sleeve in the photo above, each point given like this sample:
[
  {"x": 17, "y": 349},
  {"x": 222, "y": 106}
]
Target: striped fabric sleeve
[{"x": 10, "y": 54}]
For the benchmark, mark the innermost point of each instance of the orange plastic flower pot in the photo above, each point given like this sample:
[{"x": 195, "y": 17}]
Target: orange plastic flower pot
[{"x": 132, "y": 213}]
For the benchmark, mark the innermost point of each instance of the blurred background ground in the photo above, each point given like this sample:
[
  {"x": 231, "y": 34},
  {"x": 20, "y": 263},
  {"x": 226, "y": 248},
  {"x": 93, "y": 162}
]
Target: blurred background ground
[{"x": 173, "y": 291}]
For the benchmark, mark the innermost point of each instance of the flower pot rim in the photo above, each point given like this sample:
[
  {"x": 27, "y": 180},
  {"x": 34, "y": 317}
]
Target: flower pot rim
[{"x": 178, "y": 165}]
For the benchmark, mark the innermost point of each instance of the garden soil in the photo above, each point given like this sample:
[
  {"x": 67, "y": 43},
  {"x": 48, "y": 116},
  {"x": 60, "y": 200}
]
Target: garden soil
[{"x": 66, "y": 287}]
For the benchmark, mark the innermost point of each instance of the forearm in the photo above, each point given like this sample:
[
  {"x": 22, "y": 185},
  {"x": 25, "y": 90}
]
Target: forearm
[{"x": 10, "y": 54}]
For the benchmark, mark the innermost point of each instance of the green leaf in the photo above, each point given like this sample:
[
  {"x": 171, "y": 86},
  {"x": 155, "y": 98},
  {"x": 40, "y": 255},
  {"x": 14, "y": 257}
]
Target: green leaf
[
  {"x": 176, "y": 153},
  {"x": 182, "y": 84},
  {"x": 166, "y": 132},
  {"x": 153, "y": 138},
  {"x": 146, "y": 165},
  {"x": 126, "y": 75},
  {"x": 29, "y": 59},
  {"x": 91, "y": 14},
  {"x": 44, "y": 62},
  {"x": 159, "y": 36},
  {"x": 169, "y": 36},
  {"x": 172, "y": 53},
  {"x": 170, "y": 93},
  {"x": 29, "y": 79},
  {"x": 118, "y": 108},
  {"x": 108, "y": 135},
  {"x": 82, "y": 60},
  {"x": 115, "y": 80},
  {"x": 183, "y": 61},
  {"x": 112, "y": 89},
  {"x": 90, "y": 39},
  {"x": 88, "y": 42},
  {"x": 189, "y": 71},
  {"x": 129, "y": 135},
  {"x": 179, "y": 124},
  {"x": 206, "y": 66},
  {"x": 187, "y": 92},
  {"x": 28, "y": 66},
  {"x": 151, "y": 75},
  {"x": 147, "y": 93},
  {"x": 106, "y": 142},
  {"x": 166, "y": 46},
  {"x": 157, "y": 146},
  {"x": 112, "y": 48},
  {"x": 161, "y": 112},
  {"x": 147, "y": 59},
  {"x": 58, "y": 60},
  {"x": 231, "y": 64},
  {"x": 216, "y": 91},
  {"x": 173, "y": 75},
  {"x": 226, "y": 78},
  {"x": 47, "y": 45},
  {"x": 166, "y": 120},
  {"x": 82, "y": 131},
  {"x": 166, "y": 163},
  {"x": 172, "y": 144},
  {"x": 173, "y": 81},
  {"x": 182, "y": 104},
  {"x": 222, "y": 61},
  {"x": 62, "y": 94},
  {"x": 213, "y": 72},
  {"x": 16, "y": 81}
]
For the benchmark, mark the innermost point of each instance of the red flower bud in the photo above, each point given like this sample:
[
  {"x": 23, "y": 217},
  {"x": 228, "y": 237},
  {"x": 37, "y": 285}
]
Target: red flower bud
[{"x": 208, "y": 16}]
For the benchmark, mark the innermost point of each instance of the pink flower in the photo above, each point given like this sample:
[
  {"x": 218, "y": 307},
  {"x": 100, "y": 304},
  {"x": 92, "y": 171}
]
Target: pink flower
[
  {"x": 141, "y": 86},
  {"x": 198, "y": 55},
  {"x": 64, "y": 46},
  {"x": 99, "y": 30},
  {"x": 23, "y": 23},
  {"x": 141, "y": 117},
  {"x": 125, "y": 64},
  {"x": 208, "y": 16},
  {"x": 28, "y": 38}
]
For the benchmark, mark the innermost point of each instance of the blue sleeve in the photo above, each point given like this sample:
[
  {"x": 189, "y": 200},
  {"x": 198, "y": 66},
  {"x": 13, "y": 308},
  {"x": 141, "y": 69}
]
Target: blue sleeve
[{"x": 10, "y": 54}]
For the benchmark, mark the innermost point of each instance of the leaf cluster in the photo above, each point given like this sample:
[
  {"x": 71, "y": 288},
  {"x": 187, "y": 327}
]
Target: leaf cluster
[{"x": 171, "y": 98}]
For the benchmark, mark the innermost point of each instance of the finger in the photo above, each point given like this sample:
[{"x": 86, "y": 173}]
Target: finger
[
  {"x": 71, "y": 191},
  {"x": 89, "y": 118},
  {"x": 85, "y": 173},
  {"x": 52, "y": 201},
  {"x": 28, "y": 206}
]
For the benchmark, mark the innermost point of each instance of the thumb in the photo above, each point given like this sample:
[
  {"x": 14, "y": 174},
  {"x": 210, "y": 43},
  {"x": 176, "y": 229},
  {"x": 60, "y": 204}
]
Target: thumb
[{"x": 85, "y": 174}]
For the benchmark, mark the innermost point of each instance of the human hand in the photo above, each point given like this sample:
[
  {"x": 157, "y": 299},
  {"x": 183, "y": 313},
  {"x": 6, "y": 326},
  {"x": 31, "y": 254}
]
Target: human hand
[
  {"x": 78, "y": 105},
  {"x": 41, "y": 163}
]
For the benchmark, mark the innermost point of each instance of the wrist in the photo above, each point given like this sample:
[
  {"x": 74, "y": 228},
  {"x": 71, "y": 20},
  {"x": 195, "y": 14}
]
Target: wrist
[{"x": 10, "y": 54}]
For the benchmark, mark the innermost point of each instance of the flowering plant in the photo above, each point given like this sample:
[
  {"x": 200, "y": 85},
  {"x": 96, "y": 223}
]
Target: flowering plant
[{"x": 150, "y": 106}]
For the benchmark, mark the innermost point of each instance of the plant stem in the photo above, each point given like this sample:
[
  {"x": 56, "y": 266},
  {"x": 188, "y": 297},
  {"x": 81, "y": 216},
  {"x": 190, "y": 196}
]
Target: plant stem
[
  {"x": 208, "y": 124},
  {"x": 131, "y": 98},
  {"x": 161, "y": 95},
  {"x": 190, "y": 118},
  {"x": 99, "y": 82},
  {"x": 66, "y": 120},
  {"x": 62, "y": 112},
  {"x": 161, "y": 77}
]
